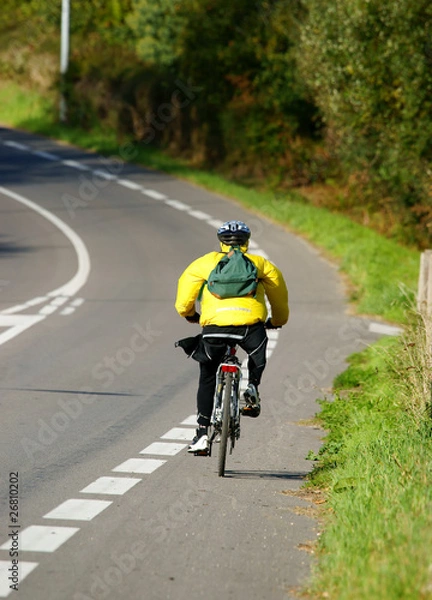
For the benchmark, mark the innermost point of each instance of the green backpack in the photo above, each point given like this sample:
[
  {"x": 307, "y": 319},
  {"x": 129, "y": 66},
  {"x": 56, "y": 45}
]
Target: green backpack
[{"x": 234, "y": 276}]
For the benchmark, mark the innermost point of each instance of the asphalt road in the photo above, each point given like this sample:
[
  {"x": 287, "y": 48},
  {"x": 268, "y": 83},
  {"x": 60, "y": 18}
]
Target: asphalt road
[{"x": 90, "y": 378}]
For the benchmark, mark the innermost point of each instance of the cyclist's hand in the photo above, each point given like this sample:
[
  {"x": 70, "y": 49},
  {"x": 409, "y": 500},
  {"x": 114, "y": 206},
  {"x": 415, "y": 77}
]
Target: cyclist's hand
[
  {"x": 269, "y": 325},
  {"x": 194, "y": 318}
]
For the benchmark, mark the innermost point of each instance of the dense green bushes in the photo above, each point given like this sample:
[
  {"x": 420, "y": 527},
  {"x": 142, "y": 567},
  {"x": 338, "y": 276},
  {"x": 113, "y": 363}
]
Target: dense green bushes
[
  {"x": 369, "y": 65},
  {"x": 293, "y": 92}
]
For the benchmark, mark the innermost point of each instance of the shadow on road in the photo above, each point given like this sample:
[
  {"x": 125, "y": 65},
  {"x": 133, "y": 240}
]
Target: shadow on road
[
  {"x": 76, "y": 392},
  {"x": 265, "y": 475}
]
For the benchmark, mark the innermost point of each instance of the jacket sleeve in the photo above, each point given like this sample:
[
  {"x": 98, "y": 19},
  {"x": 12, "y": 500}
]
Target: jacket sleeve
[
  {"x": 189, "y": 286},
  {"x": 276, "y": 292}
]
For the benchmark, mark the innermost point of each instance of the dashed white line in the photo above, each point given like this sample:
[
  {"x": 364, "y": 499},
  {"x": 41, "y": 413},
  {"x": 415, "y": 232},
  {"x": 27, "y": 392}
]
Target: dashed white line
[
  {"x": 155, "y": 195},
  {"x": 104, "y": 175},
  {"x": 76, "y": 165},
  {"x": 129, "y": 184},
  {"x": 76, "y": 509},
  {"x": 60, "y": 300},
  {"x": 77, "y": 302},
  {"x": 139, "y": 465},
  {"x": 198, "y": 214},
  {"x": 215, "y": 223},
  {"x": 178, "y": 433},
  {"x": 111, "y": 485},
  {"x": 163, "y": 448},
  {"x": 191, "y": 420},
  {"x": 46, "y": 155},
  {"x": 24, "y": 569},
  {"x": 177, "y": 204},
  {"x": 16, "y": 145},
  {"x": 40, "y": 538},
  {"x": 48, "y": 309}
]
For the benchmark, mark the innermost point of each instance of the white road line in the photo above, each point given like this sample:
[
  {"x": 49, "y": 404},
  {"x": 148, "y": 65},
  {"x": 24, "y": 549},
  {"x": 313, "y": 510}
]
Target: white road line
[
  {"x": 24, "y": 569},
  {"x": 385, "y": 329},
  {"x": 18, "y": 307},
  {"x": 16, "y": 324},
  {"x": 271, "y": 344},
  {"x": 191, "y": 420},
  {"x": 40, "y": 538},
  {"x": 129, "y": 184},
  {"x": 104, "y": 174},
  {"x": 77, "y": 302},
  {"x": 76, "y": 509},
  {"x": 67, "y": 311},
  {"x": 215, "y": 223},
  {"x": 164, "y": 448},
  {"x": 80, "y": 278},
  {"x": 198, "y": 214},
  {"x": 139, "y": 465},
  {"x": 16, "y": 145},
  {"x": 48, "y": 309},
  {"x": 46, "y": 155},
  {"x": 177, "y": 204},
  {"x": 111, "y": 485},
  {"x": 155, "y": 195},
  {"x": 76, "y": 165},
  {"x": 59, "y": 300},
  {"x": 178, "y": 433},
  {"x": 272, "y": 334}
]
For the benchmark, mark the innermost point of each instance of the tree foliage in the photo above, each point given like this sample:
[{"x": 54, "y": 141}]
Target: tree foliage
[{"x": 369, "y": 65}]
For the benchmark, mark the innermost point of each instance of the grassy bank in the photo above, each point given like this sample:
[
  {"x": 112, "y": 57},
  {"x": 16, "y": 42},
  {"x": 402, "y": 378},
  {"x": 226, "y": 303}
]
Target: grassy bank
[
  {"x": 382, "y": 273},
  {"x": 375, "y": 468}
]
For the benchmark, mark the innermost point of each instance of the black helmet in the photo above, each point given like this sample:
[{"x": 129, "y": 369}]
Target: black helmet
[{"x": 234, "y": 233}]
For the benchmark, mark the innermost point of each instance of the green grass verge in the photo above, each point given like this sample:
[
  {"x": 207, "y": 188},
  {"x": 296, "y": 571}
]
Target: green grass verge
[
  {"x": 376, "y": 467},
  {"x": 382, "y": 273}
]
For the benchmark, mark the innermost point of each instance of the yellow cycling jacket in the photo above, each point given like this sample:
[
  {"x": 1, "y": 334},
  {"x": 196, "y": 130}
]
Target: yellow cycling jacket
[{"x": 233, "y": 311}]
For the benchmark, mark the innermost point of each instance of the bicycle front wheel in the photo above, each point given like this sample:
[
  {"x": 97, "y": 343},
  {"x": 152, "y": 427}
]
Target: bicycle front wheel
[{"x": 226, "y": 407}]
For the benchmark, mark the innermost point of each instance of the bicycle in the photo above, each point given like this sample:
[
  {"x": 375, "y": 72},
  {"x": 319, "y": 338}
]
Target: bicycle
[{"x": 225, "y": 420}]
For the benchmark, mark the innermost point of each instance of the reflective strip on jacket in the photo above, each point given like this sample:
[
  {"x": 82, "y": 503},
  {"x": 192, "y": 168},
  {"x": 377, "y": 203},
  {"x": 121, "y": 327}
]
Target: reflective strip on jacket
[{"x": 232, "y": 311}]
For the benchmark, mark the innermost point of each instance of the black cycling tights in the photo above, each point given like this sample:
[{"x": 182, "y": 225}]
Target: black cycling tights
[{"x": 252, "y": 339}]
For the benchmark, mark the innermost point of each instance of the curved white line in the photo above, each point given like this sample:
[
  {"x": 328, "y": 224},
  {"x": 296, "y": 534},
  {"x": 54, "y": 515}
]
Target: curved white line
[{"x": 80, "y": 278}]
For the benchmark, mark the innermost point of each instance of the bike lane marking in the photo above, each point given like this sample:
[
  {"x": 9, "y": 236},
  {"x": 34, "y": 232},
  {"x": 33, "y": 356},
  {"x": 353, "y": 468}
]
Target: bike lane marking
[
  {"x": 139, "y": 465},
  {"x": 41, "y": 538},
  {"x": 78, "y": 509},
  {"x": 163, "y": 448},
  {"x": 24, "y": 569},
  {"x": 111, "y": 485},
  {"x": 177, "y": 433}
]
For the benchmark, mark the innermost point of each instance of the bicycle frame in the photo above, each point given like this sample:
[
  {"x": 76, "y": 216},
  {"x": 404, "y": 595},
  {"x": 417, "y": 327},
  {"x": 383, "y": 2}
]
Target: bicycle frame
[{"x": 225, "y": 420}]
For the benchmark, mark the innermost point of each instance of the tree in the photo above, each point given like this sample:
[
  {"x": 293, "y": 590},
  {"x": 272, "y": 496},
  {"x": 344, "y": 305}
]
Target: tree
[{"x": 369, "y": 66}]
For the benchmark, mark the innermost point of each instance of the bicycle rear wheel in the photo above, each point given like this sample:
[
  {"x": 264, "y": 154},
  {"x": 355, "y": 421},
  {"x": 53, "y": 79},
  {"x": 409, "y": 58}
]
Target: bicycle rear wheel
[{"x": 225, "y": 424}]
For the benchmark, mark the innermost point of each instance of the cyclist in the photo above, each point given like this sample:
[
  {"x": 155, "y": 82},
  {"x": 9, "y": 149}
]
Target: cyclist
[{"x": 242, "y": 319}]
